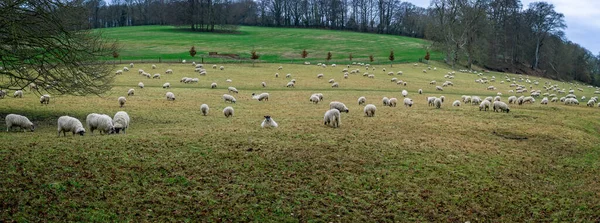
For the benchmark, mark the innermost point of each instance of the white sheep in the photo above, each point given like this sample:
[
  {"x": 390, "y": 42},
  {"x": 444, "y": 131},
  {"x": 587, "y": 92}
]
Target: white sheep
[
  {"x": 170, "y": 96},
  {"x": 430, "y": 101},
  {"x": 290, "y": 84},
  {"x": 18, "y": 93},
  {"x": 475, "y": 100},
  {"x": 439, "y": 88},
  {"x": 332, "y": 117},
  {"x": 438, "y": 103},
  {"x": 393, "y": 102},
  {"x": 497, "y": 98},
  {"x": 408, "y": 102},
  {"x": 153, "y": 66},
  {"x": 228, "y": 112},
  {"x": 544, "y": 101},
  {"x": 261, "y": 97},
  {"x": 101, "y": 122},
  {"x": 280, "y": 68},
  {"x": 339, "y": 106},
  {"x": 213, "y": 85},
  {"x": 156, "y": 76},
  {"x": 320, "y": 75},
  {"x": 485, "y": 105},
  {"x": 442, "y": 98},
  {"x": 314, "y": 99},
  {"x": 169, "y": 71},
  {"x": 118, "y": 72},
  {"x": 232, "y": 89},
  {"x": 276, "y": 75},
  {"x": 456, "y": 103},
  {"x": 288, "y": 76},
  {"x": 229, "y": 98},
  {"x": 214, "y": 66},
  {"x": 420, "y": 91},
  {"x": 121, "y": 121},
  {"x": 498, "y": 105},
  {"x": 228, "y": 80},
  {"x": 369, "y": 110},
  {"x": 221, "y": 68},
  {"x": 121, "y": 101},
  {"x": 362, "y": 100},
  {"x": 335, "y": 85},
  {"x": 131, "y": 65},
  {"x": 263, "y": 84},
  {"x": 386, "y": 101},
  {"x": 204, "y": 109},
  {"x": 141, "y": 85},
  {"x": 70, "y": 124},
  {"x": 19, "y": 121},
  {"x": 512, "y": 99},
  {"x": 404, "y": 93},
  {"x": 331, "y": 81},
  {"x": 45, "y": 99},
  {"x": 268, "y": 122},
  {"x": 167, "y": 85},
  {"x": 130, "y": 92}
]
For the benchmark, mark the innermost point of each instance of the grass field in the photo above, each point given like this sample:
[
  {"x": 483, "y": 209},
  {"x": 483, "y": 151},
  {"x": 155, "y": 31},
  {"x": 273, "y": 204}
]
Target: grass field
[
  {"x": 281, "y": 45},
  {"x": 421, "y": 164}
]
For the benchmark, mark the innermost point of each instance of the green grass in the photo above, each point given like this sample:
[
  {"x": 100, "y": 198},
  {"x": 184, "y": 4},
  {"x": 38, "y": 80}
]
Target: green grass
[
  {"x": 273, "y": 44},
  {"x": 405, "y": 164}
]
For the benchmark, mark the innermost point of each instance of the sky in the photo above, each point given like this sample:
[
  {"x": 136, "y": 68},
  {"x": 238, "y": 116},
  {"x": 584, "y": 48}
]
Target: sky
[{"x": 582, "y": 18}]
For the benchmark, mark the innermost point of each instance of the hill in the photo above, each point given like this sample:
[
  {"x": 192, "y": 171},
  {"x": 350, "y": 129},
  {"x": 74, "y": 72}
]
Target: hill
[{"x": 273, "y": 44}]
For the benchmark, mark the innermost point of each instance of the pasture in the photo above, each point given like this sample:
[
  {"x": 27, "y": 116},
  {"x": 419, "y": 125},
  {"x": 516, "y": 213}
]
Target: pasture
[{"x": 457, "y": 164}]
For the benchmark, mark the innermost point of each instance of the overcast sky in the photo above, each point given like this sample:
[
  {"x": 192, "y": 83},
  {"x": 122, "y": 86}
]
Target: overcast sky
[{"x": 582, "y": 17}]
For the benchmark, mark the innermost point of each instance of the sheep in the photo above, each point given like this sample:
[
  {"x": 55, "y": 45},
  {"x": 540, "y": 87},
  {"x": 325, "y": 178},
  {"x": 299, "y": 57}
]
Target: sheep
[
  {"x": 156, "y": 76},
  {"x": 544, "y": 101},
  {"x": 528, "y": 100},
  {"x": 394, "y": 79},
  {"x": 391, "y": 73},
  {"x": 369, "y": 110},
  {"x": 167, "y": 85},
  {"x": 475, "y": 100},
  {"x": 288, "y": 76},
  {"x": 420, "y": 91},
  {"x": 554, "y": 99},
  {"x": 399, "y": 73},
  {"x": 485, "y": 105},
  {"x": 18, "y": 93},
  {"x": 228, "y": 112},
  {"x": 319, "y": 75},
  {"x": 140, "y": 71},
  {"x": 320, "y": 95},
  {"x": 229, "y": 98},
  {"x": 130, "y": 92},
  {"x": 169, "y": 71},
  {"x": 45, "y": 99},
  {"x": 121, "y": 101},
  {"x": 293, "y": 80},
  {"x": 153, "y": 66},
  {"x": 131, "y": 65},
  {"x": 404, "y": 93},
  {"x": 121, "y": 121},
  {"x": 497, "y": 98},
  {"x": 432, "y": 82},
  {"x": 276, "y": 75},
  {"x": 438, "y": 103},
  {"x": 261, "y": 97},
  {"x": 214, "y": 66},
  {"x": 512, "y": 99},
  {"x": 204, "y": 109},
  {"x": 314, "y": 99},
  {"x": 591, "y": 103},
  {"x": 290, "y": 84},
  {"x": 456, "y": 103},
  {"x": 386, "y": 101},
  {"x": 232, "y": 89},
  {"x": 571, "y": 101},
  {"x": 498, "y": 105},
  {"x": 331, "y": 81},
  {"x": 442, "y": 98},
  {"x": 141, "y": 85},
  {"x": 118, "y": 72},
  {"x": 263, "y": 84},
  {"x": 19, "y": 121},
  {"x": 439, "y": 88},
  {"x": 221, "y": 68},
  {"x": 393, "y": 102},
  {"x": 101, "y": 122},
  {"x": 280, "y": 68},
  {"x": 335, "y": 84},
  {"x": 430, "y": 101},
  {"x": 170, "y": 96},
  {"x": 268, "y": 122},
  {"x": 213, "y": 85},
  {"x": 408, "y": 102},
  {"x": 70, "y": 124},
  {"x": 332, "y": 117},
  {"x": 362, "y": 100},
  {"x": 339, "y": 106},
  {"x": 346, "y": 76},
  {"x": 371, "y": 75}
]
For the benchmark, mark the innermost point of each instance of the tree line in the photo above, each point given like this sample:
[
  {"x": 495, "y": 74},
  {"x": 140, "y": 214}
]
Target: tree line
[{"x": 500, "y": 35}]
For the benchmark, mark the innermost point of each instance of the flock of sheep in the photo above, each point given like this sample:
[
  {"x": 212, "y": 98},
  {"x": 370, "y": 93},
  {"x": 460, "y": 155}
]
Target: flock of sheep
[{"x": 332, "y": 117}]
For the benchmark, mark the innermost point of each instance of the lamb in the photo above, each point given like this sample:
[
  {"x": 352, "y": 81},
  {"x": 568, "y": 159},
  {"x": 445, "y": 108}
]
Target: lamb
[
  {"x": 45, "y": 99},
  {"x": 314, "y": 99},
  {"x": 232, "y": 89},
  {"x": 263, "y": 84},
  {"x": 170, "y": 96},
  {"x": 213, "y": 85},
  {"x": 404, "y": 93},
  {"x": 339, "y": 106},
  {"x": 393, "y": 102},
  {"x": 408, "y": 102},
  {"x": 228, "y": 112},
  {"x": 438, "y": 103},
  {"x": 130, "y": 92},
  {"x": 439, "y": 88},
  {"x": 121, "y": 121},
  {"x": 19, "y": 121},
  {"x": 362, "y": 100},
  {"x": 141, "y": 85},
  {"x": 456, "y": 103},
  {"x": 18, "y": 93},
  {"x": 332, "y": 117},
  {"x": 268, "y": 122},
  {"x": 370, "y": 110},
  {"x": 386, "y": 101},
  {"x": 167, "y": 85},
  {"x": 229, "y": 98},
  {"x": 336, "y": 85},
  {"x": 498, "y": 105},
  {"x": 121, "y": 101},
  {"x": 485, "y": 105},
  {"x": 70, "y": 124},
  {"x": 261, "y": 97},
  {"x": 101, "y": 122}
]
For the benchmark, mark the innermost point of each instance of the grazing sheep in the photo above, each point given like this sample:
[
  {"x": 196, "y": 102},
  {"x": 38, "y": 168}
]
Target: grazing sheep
[
  {"x": 408, "y": 102},
  {"x": 339, "y": 106},
  {"x": 141, "y": 85},
  {"x": 370, "y": 110},
  {"x": 214, "y": 66},
  {"x": 466, "y": 99},
  {"x": 167, "y": 85},
  {"x": 268, "y": 122},
  {"x": 293, "y": 80},
  {"x": 45, "y": 99},
  {"x": 280, "y": 68},
  {"x": 490, "y": 99},
  {"x": 371, "y": 76},
  {"x": 153, "y": 66},
  {"x": 430, "y": 101},
  {"x": 18, "y": 93},
  {"x": 276, "y": 74},
  {"x": 386, "y": 101},
  {"x": 101, "y": 122},
  {"x": 169, "y": 71},
  {"x": 319, "y": 75},
  {"x": 544, "y": 101},
  {"x": 591, "y": 103},
  {"x": 261, "y": 97},
  {"x": 130, "y": 92},
  {"x": 456, "y": 103},
  {"x": 121, "y": 101},
  {"x": 288, "y": 76},
  {"x": 346, "y": 76},
  {"x": 232, "y": 89},
  {"x": 439, "y": 88},
  {"x": 221, "y": 68},
  {"x": 332, "y": 117},
  {"x": 213, "y": 85},
  {"x": 204, "y": 109},
  {"x": 228, "y": 80},
  {"x": 118, "y": 72},
  {"x": 485, "y": 105},
  {"x": 432, "y": 82},
  {"x": 442, "y": 98},
  {"x": 70, "y": 124},
  {"x": 394, "y": 79},
  {"x": 498, "y": 105},
  {"x": 290, "y": 84},
  {"x": 331, "y": 81},
  {"x": 404, "y": 93},
  {"x": 121, "y": 121},
  {"x": 335, "y": 85},
  {"x": 229, "y": 98},
  {"x": 170, "y": 96},
  {"x": 228, "y": 112},
  {"x": 393, "y": 102},
  {"x": 529, "y": 99},
  {"x": 362, "y": 100},
  {"x": 156, "y": 76},
  {"x": 19, "y": 121},
  {"x": 314, "y": 99},
  {"x": 571, "y": 101},
  {"x": 438, "y": 103},
  {"x": 497, "y": 98},
  {"x": 512, "y": 99},
  {"x": 420, "y": 91},
  {"x": 131, "y": 65},
  {"x": 475, "y": 100},
  {"x": 263, "y": 84}
]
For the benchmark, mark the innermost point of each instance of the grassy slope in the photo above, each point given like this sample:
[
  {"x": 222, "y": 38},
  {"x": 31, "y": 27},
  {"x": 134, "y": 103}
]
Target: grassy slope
[
  {"x": 274, "y": 44},
  {"x": 404, "y": 164}
]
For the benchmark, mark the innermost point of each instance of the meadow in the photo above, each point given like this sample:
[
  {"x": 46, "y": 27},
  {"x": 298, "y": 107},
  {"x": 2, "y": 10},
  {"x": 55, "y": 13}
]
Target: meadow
[
  {"x": 455, "y": 164},
  {"x": 275, "y": 45}
]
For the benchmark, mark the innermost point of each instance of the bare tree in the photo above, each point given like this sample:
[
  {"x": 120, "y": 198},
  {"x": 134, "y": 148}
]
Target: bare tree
[{"x": 543, "y": 21}]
